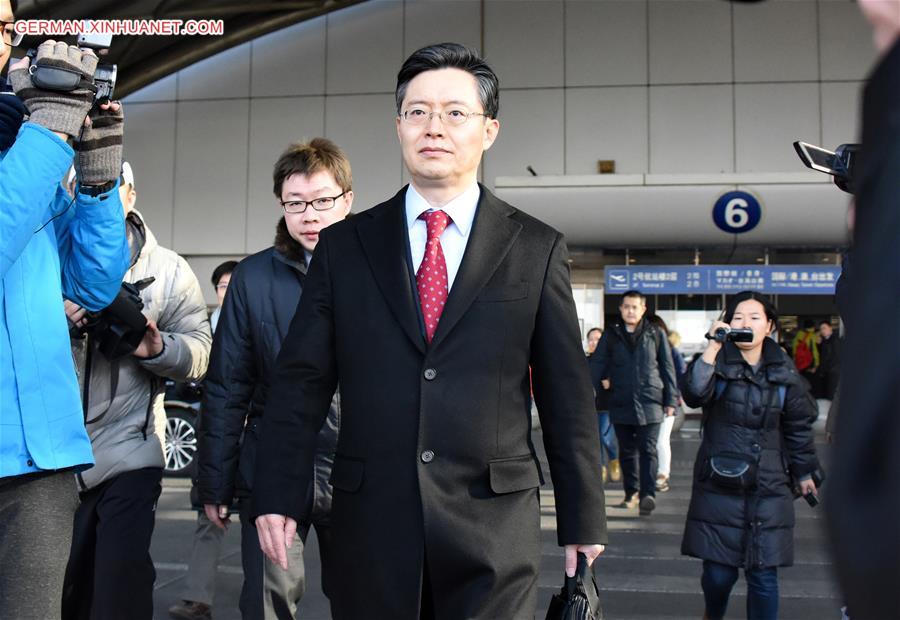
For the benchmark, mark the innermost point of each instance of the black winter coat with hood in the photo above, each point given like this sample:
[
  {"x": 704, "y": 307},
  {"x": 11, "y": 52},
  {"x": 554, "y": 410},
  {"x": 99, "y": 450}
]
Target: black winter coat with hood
[
  {"x": 745, "y": 415},
  {"x": 262, "y": 297},
  {"x": 640, "y": 371}
]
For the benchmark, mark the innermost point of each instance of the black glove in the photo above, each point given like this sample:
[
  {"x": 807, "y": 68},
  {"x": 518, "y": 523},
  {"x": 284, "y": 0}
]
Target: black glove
[{"x": 12, "y": 113}]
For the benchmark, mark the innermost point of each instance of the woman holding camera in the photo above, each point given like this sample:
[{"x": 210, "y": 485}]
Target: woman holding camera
[{"x": 757, "y": 447}]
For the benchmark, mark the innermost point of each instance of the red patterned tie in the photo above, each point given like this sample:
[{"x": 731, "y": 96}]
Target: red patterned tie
[{"x": 431, "y": 278}]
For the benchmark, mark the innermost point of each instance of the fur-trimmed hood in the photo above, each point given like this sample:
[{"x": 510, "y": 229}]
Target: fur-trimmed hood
[{"x": 289, "y": 248}]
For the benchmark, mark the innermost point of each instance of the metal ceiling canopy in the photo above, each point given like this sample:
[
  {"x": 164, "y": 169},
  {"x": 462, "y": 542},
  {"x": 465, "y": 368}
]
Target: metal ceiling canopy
[{"x": 143, "y": 60}]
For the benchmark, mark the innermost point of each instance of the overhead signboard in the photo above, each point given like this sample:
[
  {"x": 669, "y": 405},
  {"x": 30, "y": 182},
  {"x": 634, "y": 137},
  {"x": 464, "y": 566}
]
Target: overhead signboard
[{"x": 714, "y": 279}]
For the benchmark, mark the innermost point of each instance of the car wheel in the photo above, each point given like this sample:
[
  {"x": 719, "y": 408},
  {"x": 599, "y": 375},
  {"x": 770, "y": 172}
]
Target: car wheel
[{"x": 181, "y": 441}]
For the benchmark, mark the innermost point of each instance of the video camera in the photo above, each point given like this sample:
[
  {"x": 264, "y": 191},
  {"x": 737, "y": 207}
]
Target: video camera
[
  {"x": 120, "y": 327},
  {"x": 739, "y": 334},
  {"x": 103, "y": 83},
  {"x": 839, "y": 164}
]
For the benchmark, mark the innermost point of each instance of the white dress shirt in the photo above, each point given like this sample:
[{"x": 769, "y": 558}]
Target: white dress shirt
[{"x": 454, "y": 239}]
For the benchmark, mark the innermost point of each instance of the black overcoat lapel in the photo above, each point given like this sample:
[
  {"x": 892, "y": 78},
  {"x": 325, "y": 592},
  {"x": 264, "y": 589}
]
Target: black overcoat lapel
[
  {"x": 384, "y": 242},
  {"x": 493, "y": 234}
]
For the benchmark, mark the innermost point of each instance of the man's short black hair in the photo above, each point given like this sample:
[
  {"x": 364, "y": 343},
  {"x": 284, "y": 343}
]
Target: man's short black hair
[
  {"x": 592, "y": 330},
  {"x": 223, "y": 269},
  {"x": 15, "y": 5},
  {"x": 637, "y": 294},
  {"x": 452, "y": 56},
  {"x": 825, "y": 322}
]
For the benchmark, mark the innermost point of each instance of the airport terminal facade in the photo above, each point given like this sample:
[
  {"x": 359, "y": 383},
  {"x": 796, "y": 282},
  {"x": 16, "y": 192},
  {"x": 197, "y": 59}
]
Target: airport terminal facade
[{"x": 656, "y": 134}]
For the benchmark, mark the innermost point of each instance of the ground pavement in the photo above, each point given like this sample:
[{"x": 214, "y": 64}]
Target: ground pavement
[{"x": 642, "y": 575}]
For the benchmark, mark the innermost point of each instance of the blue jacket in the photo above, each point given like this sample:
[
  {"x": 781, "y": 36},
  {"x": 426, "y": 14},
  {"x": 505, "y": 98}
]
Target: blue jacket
[{"x": 82, "y": 254}]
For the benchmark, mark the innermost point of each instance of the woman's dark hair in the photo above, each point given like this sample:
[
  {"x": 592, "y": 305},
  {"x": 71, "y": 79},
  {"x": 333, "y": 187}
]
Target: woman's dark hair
[
  {"x": 735, "y": 300},
  {"x": 452, "y": 56},
  {"x": 226, "y": 267},
  {"x": 655, "y": 319}
]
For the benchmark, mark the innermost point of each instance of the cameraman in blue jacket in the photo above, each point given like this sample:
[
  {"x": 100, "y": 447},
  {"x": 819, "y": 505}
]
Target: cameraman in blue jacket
[{"x": 51, "y": 246}]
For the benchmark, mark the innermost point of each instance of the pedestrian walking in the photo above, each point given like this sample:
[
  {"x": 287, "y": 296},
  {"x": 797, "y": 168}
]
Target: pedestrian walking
[
  {"x": 757, "y": 448},
  {"x": 609, "y": 452},
  {"x": 663, "y": 444},
  {"x": 633, "y": 360},
  {"x": 206, "y": 549}
]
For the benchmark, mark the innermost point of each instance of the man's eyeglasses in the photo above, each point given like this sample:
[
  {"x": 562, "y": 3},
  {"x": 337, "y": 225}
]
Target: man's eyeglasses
[
  {"x": 10, "y": 37},
  {"x": 319, "y": 204},
  {"x": 452, "y": 116}
]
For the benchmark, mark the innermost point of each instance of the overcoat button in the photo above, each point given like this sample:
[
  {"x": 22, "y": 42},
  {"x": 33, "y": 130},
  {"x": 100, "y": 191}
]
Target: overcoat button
[
  {"x": 427, "y": 456},
  {"x": 430, "y": 373}
]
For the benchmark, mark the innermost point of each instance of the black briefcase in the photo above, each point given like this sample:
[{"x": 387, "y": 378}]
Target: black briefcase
[{"x": 579, "y": 598}]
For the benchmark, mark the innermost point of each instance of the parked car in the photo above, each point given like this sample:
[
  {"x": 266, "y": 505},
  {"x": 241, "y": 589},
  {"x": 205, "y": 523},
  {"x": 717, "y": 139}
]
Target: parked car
[{"x": 182, "y": 414}]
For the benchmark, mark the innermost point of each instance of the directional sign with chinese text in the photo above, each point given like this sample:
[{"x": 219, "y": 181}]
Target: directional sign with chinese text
[{"x": 713, "y": 279}]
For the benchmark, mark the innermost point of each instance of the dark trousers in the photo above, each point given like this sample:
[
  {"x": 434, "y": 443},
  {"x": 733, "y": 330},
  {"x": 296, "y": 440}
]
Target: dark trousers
[
  {"x": 110, "y": 572},
  {"x": 637, "y": 447},
  {"x": 36, "y": 514},
  {"x": 268, "y": 591},
  {"x": 762, "y": 590}
]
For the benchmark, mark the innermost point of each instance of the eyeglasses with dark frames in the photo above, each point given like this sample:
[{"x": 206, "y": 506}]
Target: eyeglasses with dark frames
[{"x": 323, "y": 203}]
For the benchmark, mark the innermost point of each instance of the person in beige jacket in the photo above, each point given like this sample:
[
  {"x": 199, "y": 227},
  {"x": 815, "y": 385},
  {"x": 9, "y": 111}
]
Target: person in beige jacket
[{"x": 110, "y": 573}]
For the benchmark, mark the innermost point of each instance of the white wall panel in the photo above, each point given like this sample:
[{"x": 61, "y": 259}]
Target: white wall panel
[
  {"x": 768, "y": 119},
  {"x": 149, "y": 148},
  {"x": 274, "y": 125},
  {"x": 523, "y": 42},
  {"x": 290, "y": 61},
  {"x": 160, "y": 90},
  {"x": 690, "y": 41},
  {"x": 841, "y": 105},
  {"x": 606, "y": 42},
  {"x": 437, "y": 21},
  {"x": 691, "y": 129},
  {"x": 364, "y": 127},
  {"x": 211, "y": 176},
  {"x": 845, "y": 41},
  {"x": 775, "y": 42},
  {"x": 531, "y": 134},
  {"x": 365, "y": 47},
  {"x": 606, "y": 123},
  {"x": 223, "y": 76}
]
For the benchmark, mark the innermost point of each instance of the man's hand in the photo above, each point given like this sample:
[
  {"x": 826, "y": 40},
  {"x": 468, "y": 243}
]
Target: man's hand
[
  {"x": 152, "y": 343},
  {"x": 100, "y": 148},
  {"x": 669, "y": 411},
  {"x": 591, "y": 551},
  {"x": 807, "y": 487},
  {"x": 276, "y": 535},
  {"x": 217, "y": 515},
  {"x": 61, "y": 112},
  {"x": 75, "y": 313},
  {"x": 605, "y": 383}
]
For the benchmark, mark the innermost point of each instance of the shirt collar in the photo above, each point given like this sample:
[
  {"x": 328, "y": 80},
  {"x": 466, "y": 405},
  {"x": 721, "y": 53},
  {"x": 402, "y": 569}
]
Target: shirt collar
[{"x": 461, "y": 209}]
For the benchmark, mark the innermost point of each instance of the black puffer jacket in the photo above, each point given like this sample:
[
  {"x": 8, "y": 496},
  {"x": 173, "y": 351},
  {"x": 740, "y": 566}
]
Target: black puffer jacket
[
  {"x": 262, "y": 297},
  {"x": 745, "y": 415},
  {"x": 640, "y": 371}
]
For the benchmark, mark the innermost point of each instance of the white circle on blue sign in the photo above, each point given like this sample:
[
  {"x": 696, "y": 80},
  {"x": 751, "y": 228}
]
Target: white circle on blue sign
[{"x": 737, "y": 212}]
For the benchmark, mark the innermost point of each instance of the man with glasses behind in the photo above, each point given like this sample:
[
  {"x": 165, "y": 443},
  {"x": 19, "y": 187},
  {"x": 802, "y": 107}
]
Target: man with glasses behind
[
  {"x": 312, "y": 187},
  {"x": 429, "y": 310}
]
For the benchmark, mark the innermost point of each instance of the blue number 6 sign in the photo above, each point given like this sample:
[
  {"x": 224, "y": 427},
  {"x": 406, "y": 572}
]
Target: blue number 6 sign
[{"x": 737, "y": 212}]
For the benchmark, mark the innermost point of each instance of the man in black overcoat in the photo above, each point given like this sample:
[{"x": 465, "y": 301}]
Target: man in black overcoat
[
  {"x": 429, "y": 310},
  {"x": 863, "y": 501}
]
